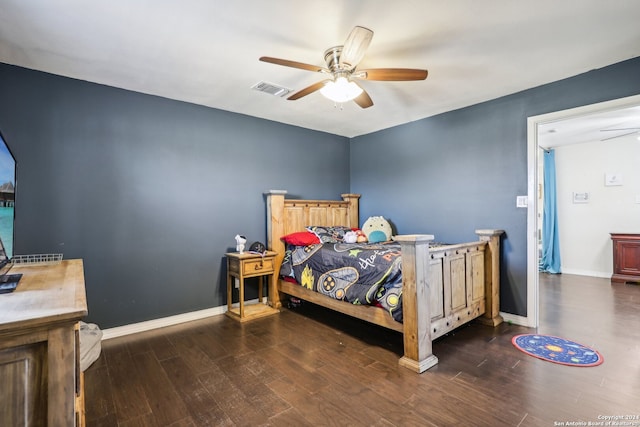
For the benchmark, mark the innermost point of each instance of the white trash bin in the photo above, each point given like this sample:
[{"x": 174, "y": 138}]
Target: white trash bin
[{"x": 90, "y": 347}]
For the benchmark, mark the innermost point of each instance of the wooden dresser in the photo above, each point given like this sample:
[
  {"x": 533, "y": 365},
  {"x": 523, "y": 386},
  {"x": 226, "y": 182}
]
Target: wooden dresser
[
  {"x": 39, "y": 347},
  {"x": 626, "y": 257}
]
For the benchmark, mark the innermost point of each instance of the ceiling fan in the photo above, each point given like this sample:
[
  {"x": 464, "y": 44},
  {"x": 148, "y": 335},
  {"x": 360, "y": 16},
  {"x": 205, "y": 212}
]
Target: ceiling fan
[{"x": 339, "y": 86}]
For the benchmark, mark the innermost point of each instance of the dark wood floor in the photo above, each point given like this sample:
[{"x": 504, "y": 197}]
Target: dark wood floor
[{"x": 312, "y": 367}]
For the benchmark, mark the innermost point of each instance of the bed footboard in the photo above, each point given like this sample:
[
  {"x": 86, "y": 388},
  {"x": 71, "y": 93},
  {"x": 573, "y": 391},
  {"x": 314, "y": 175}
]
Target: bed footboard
[{"x": 445, "y": 287}]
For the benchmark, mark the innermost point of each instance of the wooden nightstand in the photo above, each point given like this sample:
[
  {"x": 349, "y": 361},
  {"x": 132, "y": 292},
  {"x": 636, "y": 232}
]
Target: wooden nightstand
[{"x": 242, "y": 266}]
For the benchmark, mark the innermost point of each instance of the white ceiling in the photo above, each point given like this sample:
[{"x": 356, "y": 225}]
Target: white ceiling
[{"x": 206, "y": 51}]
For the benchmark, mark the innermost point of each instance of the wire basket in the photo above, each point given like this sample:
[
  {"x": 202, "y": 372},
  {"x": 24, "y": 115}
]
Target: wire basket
[{"x": 36, "y": 259}]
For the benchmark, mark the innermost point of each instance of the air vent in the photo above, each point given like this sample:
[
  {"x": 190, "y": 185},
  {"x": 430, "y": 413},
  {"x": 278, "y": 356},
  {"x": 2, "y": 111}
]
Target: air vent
[{"x": 271, "y": 89}]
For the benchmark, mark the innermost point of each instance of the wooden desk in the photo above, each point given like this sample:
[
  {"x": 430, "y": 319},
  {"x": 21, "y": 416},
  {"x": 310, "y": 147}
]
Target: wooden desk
[
  {"x": 39, "y": 348},
  {"x": 242, "y": 266}
]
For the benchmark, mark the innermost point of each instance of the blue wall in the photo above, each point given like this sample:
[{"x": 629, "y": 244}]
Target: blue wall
[
  {"x": 150, "y": 192},
  {"x": 453, "y": 173}
]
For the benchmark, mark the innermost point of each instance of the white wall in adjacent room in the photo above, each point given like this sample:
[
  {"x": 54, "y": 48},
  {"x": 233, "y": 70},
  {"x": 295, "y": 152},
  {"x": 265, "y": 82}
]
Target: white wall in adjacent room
[{"x": 584, "y": 228}]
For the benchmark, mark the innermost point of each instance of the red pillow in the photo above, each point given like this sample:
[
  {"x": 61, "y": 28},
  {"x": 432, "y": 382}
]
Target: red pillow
[{"x": 301, "y": 238}]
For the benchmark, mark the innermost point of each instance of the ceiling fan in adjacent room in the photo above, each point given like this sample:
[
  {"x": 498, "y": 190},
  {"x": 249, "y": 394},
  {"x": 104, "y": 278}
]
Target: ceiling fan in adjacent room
[
  {"x": 626, "y": 131},
  {"x": 342, "y": 61}
]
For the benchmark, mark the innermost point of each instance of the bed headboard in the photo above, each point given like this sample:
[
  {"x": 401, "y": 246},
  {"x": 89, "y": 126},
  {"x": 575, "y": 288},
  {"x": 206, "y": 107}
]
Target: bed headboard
[{"x": 285, "y": 216}]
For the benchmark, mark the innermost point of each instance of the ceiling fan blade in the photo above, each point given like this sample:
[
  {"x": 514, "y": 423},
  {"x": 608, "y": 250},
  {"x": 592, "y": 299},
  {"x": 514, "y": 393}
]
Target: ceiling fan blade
[
  {"x": 307, "y": 90},
  {"x": 294, "y": 64},
  {"x": 391, "y": 74},
  {"x": 355, "y": 46},
  {"x": 363, "y": 100},
  {"x": 620, "y": 136}
]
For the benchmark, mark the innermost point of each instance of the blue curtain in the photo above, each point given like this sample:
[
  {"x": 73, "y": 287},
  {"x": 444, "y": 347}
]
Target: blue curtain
[{"x": 550, "y": 259}]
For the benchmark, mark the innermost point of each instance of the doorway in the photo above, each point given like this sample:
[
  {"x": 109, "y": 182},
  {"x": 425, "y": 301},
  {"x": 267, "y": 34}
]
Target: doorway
[{"x": 534, "y": 124}]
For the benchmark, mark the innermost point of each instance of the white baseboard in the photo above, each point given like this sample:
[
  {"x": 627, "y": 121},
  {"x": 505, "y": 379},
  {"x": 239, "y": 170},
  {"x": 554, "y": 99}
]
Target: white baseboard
[
  {"x": 134, "y": 328},
  {"x": 515, "y": 319},
  {"x": 148, "y": 325},
  {"x": 578, "y": 272}
]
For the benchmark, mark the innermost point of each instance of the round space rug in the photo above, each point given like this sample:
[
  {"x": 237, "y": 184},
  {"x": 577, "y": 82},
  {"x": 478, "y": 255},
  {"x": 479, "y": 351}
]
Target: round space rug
[{"x": 557, "y": 350}]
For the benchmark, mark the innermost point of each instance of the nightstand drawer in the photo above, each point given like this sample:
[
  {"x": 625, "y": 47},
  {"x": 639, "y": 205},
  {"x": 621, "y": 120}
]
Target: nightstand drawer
[{"x": 257, "y": 266}]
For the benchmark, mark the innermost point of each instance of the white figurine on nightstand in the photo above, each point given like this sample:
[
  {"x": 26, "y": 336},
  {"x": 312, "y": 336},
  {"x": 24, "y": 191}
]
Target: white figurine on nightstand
[{"x": 240, "y": 241}]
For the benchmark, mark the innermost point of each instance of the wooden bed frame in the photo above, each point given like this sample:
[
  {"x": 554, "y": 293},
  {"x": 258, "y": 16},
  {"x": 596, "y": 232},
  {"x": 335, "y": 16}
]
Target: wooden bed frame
[{"x": 443, "y": 286}]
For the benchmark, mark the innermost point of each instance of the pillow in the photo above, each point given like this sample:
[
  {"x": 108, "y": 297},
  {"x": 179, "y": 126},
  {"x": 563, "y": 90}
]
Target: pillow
[
  {"x": 377, "y": 229},
  {"x": 301, "y": 238},
  {"x": 333, "y": 234}
]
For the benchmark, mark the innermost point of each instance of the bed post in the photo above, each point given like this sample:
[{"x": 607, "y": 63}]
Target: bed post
[
  {"x": 491, "y": 315},
  {"x": 352, "y": 199},
  {"x": 275, "y": 230},
  {"x": 418, "y": 355}
]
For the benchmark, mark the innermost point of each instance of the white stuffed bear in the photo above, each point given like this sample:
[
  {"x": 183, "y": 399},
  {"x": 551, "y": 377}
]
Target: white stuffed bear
[
  {"x": 350, "y": 237},
  {"x": 240, "y": 241},
  {"x": 377, "y": 229}
]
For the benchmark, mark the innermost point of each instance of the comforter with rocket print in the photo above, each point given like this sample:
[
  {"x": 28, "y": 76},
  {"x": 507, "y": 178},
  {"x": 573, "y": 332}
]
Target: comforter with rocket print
[{"x": 369, "y": 273}]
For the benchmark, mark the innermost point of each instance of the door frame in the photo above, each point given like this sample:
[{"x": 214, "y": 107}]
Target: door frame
[{"x": 532, "y": 318}]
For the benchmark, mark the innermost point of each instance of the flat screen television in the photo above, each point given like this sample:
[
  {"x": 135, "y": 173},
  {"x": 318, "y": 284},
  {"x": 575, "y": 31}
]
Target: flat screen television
[
  {"x": 7, "y": 196},
  {"x": 8, "y": 282}
]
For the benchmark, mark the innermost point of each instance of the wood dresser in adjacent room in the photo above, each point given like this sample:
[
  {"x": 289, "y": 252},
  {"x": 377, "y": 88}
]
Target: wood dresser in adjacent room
[
  {"x": 626, "y": 257},
  {"x": 39, "y": 347}
]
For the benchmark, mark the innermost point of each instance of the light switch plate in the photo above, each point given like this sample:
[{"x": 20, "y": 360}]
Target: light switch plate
[{"x": 522, "y": 201}]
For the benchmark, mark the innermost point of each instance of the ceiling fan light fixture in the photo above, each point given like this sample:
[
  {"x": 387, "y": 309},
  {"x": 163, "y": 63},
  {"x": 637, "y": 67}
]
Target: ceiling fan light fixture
[{"x": 341, "y": 90}]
